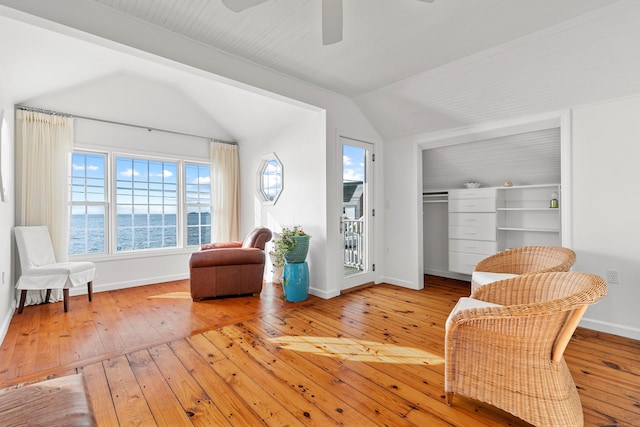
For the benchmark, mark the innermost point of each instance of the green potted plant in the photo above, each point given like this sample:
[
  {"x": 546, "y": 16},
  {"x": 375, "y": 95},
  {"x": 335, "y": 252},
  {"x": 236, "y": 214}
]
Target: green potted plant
[
  {"x": 290, "y": 248},
  {"x": 291, "y": 245}
]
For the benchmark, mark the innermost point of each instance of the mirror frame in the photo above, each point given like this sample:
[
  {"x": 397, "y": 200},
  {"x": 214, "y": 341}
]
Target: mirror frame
[{"x": 262, "y": 177}]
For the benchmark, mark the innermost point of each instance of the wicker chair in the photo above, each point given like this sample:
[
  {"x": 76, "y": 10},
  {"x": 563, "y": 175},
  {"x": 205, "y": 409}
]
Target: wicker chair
[
  {"x": 524, "y": 260},
  {"x": 511, "y": 355}
]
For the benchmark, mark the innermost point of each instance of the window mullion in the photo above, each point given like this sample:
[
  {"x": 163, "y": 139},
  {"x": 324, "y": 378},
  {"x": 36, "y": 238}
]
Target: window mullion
[{"x": 142, "y": 203}]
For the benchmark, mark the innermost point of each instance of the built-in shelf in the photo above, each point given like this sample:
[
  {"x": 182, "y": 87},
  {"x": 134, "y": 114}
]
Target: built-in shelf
[
  {"x": 525, "y": 216},
  {"x": 486, "y": 220},
  {"x": 528, "y": 209},
  {"x": 535, "y": 230}
]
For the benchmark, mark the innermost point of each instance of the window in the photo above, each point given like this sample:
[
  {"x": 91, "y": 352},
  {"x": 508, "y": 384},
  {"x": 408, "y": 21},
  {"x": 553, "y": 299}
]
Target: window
[
  {"x": 198, "y": 203},
  {"x": 269, "y": 179},
  {"x": 146, "y": 204},
  {"x": 88, "y": 204},
  {"x": 155, "y": 204}
]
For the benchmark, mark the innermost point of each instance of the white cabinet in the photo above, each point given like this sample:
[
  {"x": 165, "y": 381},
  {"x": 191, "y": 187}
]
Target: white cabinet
[
  {"x": 484, "y": 221},
  {"x": 472, "y": 227},
  {"x": 525, "y": 216}
]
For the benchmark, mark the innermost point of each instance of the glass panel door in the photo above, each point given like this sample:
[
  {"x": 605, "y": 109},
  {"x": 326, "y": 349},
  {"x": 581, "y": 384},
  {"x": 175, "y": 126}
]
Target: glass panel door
[{"x": 356, "y": 215}]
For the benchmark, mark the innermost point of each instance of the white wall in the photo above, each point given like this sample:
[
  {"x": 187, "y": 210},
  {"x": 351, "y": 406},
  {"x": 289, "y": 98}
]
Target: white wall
[
  {"x": 605, "y": 210},
  {"x": 312, "y": 196},
  {"x": 134, "y": 98},
  {"x": 403, "y": 264},
  {"x": 7, "y": 221},
  {"x": 300, "y": 149}
]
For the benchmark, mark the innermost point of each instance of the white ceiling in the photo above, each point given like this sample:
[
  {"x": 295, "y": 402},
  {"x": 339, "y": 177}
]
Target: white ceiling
[
  {"x": 384, "y": 41},
  {"x": 413, "y": 68}
]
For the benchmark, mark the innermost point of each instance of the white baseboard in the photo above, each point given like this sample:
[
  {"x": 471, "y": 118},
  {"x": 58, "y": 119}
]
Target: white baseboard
[
  {"x": 324, "y": 294},
  {"x": 401, "y": 282},
  {"x": 610, "y": 328},
  {"x": 448, "y": 274},
  {"x": 103, "y": 287},
  {"x": 6, "y": 321}
]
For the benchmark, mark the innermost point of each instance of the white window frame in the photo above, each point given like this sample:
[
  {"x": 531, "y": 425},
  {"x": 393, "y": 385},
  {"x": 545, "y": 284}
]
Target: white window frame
[
  {"x": 110, "y": 204},
  {"x": 105, "y": 203},
  {"x": 186, "y": 205},
  {"x": 114, "y": 190}
]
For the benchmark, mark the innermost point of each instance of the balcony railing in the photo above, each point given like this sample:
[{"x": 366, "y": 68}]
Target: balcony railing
[{"x": 354, "y": 244}]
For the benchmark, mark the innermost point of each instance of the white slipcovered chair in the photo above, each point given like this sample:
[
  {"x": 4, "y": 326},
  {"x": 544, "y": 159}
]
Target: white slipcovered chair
[{"x": 40, "y": 269}]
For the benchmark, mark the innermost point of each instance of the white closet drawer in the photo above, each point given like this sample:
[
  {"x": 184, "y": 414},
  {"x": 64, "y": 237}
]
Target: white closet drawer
[
  {"x": 472, "y": 205},
  {"x": 464, "y": 263},
  {"x": 480, "y": 247},
  {"x": 486, "y": 220},
  {"x": 473, "y": 193},
  {"x": 471, "y": 233},
  {"x": 472, "y": 226}
]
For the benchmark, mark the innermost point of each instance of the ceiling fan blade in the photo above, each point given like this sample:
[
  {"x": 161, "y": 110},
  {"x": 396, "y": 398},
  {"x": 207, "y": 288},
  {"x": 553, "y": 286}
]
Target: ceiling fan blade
[
  {"x": 240, "y": 5},
  {"x": 331, "y": 21},
  {"x": 427, "y": 1}
]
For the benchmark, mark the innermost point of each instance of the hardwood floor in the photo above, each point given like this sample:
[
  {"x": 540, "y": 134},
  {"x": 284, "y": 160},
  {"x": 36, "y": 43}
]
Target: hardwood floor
[{"x": 150, "y": 356}]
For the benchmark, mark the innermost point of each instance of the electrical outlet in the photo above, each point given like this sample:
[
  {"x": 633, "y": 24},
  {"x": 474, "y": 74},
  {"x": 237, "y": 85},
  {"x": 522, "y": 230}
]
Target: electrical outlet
[{"x": 613, "y": 276}]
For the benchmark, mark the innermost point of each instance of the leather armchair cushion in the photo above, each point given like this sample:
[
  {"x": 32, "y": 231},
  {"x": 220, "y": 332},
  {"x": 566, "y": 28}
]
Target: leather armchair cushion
[{"x": 220, "y": 245}]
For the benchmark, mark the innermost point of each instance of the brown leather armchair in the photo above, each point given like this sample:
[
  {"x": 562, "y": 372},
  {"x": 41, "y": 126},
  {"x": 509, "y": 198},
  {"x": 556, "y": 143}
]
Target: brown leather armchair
[{"x": 229, "y": 268}]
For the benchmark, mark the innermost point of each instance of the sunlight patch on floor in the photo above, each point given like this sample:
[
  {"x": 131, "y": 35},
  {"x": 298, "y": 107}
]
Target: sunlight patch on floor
[{"x": 357, "y": 350}]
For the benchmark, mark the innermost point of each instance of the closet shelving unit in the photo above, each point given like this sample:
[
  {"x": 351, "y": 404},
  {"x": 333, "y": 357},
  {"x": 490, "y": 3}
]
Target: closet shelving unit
[{"x": 525, "y": 216}]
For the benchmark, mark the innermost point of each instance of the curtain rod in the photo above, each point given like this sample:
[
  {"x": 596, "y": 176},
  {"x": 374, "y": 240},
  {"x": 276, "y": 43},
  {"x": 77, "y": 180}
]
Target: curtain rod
[{"x": 56, "y": 113}]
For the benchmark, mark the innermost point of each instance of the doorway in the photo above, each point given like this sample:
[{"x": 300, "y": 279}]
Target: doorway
[{"x": 356, "y": 216}]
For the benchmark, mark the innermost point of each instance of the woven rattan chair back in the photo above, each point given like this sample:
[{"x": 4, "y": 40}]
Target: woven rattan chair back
[
  {"x": 527, "y": 260},
  {"x": 511, "y": 356}
]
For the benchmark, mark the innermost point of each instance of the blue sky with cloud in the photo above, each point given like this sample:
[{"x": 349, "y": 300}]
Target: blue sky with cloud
[{"x": 353, "y": 159}]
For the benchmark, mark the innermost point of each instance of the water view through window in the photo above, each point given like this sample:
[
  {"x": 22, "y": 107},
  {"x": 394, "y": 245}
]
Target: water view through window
[
  {"x": 88, "y": 204},
  {"x": 147, "y": 204}
]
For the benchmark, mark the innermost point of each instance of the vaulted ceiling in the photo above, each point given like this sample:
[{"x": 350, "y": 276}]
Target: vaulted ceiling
[
  {"x": 384, "y": 41},
  {"x": 412, "y": 67}
]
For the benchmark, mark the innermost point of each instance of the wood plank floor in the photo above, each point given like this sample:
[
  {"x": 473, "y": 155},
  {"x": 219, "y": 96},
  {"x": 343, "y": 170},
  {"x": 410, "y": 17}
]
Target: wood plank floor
[{"x": 150, "y": 356}]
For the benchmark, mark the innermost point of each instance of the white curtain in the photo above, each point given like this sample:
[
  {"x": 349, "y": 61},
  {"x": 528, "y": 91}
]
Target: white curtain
[
  {"x": 44, "y": 143},
  {"x": 225, "y": 186}
]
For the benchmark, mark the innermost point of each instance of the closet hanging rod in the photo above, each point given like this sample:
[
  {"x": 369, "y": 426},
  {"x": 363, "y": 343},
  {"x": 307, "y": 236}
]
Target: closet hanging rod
[{"x": 56, "y": 113}]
